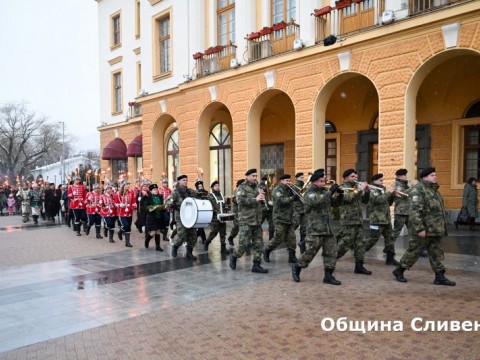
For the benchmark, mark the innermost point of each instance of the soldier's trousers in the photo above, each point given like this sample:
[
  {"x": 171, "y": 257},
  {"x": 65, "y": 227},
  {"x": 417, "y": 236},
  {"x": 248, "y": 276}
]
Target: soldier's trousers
[
  {"x": 235, "y": 229},
  {"x": 283, "y": 233},
  {"x": 185, "y": 235},
  {"x": 313, "y": 243},
  {"x": 415, "y": 247},
  {"x": 351, "y": 236},
  {"x": 398, "y": 223},
  {"x": 250, "y": 234},
  {"x": 300, "y": 220},
  {"x": 268, "y": 215},
  {"x": 215, "y": 228},
  {"x": 387, "y": 232}
]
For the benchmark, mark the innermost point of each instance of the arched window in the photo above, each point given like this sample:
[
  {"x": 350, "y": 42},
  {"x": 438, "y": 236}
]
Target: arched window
[
  {"x": 471, "y": 144},
  {"x": 473, "y": 111},
  {"x": 172, "y": 157},
  {"x": 220, "y": 158},
  {"x": 330, "y": 151}
]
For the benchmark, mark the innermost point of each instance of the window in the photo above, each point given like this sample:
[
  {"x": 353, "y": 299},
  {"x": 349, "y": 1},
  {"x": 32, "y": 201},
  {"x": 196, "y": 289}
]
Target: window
[
  {"x": 226, "y": 21},
  {"x": 331, "y": 159},
  {"x": 117, "y": 92},
  {"x": 116, "y": 31},
  {"x": 138, "y": 166},
  {"x": 119, "y": 168},
  {"x": 471, "y": 152},
  {"x": 162, "y": 52},
  {"x": 137, "y": 19},
  {"x": 220, "y": 158},
  {"x": 173, "y": 157},
  {"x": 283, "y": 10},
  {"x": 139, "y": 78}
]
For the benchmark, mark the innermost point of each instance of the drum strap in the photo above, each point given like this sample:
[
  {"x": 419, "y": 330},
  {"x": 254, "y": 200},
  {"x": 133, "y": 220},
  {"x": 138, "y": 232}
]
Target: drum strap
[{"x": 220, "y": 202}]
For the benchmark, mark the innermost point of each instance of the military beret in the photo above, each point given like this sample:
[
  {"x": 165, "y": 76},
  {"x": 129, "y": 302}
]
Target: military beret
[
  {"x": 214, "y": 183},
  {"x": 153, "y": 186},
  {"x": 317, "y": 175},
  {"x": 285, "y": 176},
  {"x": 239, "y": 182},
  {"x": 250, "y": 172},
  {"x": 320, "y": 170},
  {"x": 182, "y": 177},
  {"x": 348, "y": 172},
  {"x": 427, "y": 171},
  {"x": 401, "y": 172},
  {"x": 297, "y": 175},
  {"x": 198, "y": 183},
  {"x": 377, "y": 176}
]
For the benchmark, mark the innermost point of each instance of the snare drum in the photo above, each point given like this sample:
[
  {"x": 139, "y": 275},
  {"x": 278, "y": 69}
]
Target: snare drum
[
  {"x": 196, "y": 213},
  {"x": 225, "y": 217}
]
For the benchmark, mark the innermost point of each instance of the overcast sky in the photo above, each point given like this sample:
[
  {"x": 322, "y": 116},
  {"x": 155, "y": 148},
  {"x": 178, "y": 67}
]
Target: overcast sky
[{"x": 49, "y": 60}]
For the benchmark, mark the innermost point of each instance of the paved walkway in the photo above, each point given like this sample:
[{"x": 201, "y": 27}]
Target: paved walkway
[{"x": 69, "y": 297}]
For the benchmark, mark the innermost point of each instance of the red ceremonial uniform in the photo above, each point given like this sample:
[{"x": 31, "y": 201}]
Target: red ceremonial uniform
[
  {"x": 125, "y": 203},
  {"x": 77, "y": 195},
  {"x": 108, "y": 206},
  {"x": 94, "y": 202}
]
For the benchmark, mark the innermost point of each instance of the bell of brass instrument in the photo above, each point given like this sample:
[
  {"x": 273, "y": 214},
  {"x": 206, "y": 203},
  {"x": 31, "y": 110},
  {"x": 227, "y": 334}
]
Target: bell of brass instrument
[
  {"x": 329, "y": 183},
  {"x": 306, "y": 185}
]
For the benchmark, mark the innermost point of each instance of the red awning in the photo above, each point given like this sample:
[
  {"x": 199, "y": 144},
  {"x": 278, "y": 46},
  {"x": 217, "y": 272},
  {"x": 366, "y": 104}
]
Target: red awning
[
  {"x": 135, "y": 148},
  {"x": 115, "y": 150}
]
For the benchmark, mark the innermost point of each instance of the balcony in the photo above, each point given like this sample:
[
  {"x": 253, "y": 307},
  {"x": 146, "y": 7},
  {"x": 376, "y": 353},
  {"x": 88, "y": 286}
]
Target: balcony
[
  {"x": 271, "y": 41},
  {"x": 134, "y": 110},
  {"x": 352, "y": 16},
  {"x": 214, "y": 59}
]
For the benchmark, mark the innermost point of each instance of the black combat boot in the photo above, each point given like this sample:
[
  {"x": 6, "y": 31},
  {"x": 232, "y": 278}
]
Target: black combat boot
[
  {"x": 398, "y": 273},
  {"x": 440, "y": 279},
  {"x": 127, "y": 240},
  {"x": 266, "y": 254},
  {"x": 148, "y": 237},
  {"x": 174, "y": 250},
  {"x": 230, "y": 241},
  {"x": 207, "y": 243},
  {"x": 35, "y": 219},
  {"x": 76, "y": 227},
  {"x": 296, "y": 272},
  {"x": 157, "y": 243},
  {"x": 97, "y": 232},
  {"x": 223, "y": 249},
  {"x": 359, "y": 269},
  {"x": 110, "y": 235},
  {"x": 330, "y": 279},
  {"x": 87, "y": 230},
  {"x": 292, "y": 259},
  {"x": 120, "y": 233},
  {"x": 105, "y": 231},
  {"x": 189, "y": 255},
  {"x": 233, "y": 261},
  {"x": 391, "y": 259},
  {"x": 256, "y": 268}
]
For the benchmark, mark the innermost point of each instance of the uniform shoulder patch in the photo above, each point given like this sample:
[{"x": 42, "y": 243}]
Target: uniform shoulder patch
[
  {"x": 415, "y": 198},
  {"x": 239, "y": 192},
  {"x": 311, "y": 195},
  {"x": 278, "y": 193}
]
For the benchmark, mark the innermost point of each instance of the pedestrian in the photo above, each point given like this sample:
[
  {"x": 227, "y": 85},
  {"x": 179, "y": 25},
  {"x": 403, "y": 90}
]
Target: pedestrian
[
  {"x": 11, "y": 205},
  {"x": 470, "y": 201}
]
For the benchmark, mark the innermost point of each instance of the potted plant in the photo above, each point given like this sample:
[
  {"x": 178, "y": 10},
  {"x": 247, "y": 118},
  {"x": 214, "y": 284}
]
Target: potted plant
[
  {"x": 253, "y": 35},
  {"x": 279, "y": 26},
  {"x": 197, "y": 55},
  {"x": 266, "y": 30}
]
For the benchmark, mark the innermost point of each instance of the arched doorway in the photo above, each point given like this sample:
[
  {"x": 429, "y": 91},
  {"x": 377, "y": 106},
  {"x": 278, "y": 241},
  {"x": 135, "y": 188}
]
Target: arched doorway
[
  {"x": 173, "y": 155},
  {"x": 163, "y": 128}
]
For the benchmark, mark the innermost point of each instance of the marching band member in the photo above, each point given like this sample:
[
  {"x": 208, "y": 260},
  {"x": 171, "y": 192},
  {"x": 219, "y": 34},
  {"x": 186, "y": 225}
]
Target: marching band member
[
  {"x": 299, "y": 218},
  {"x": 36, "y": 196},
  {"x": 109, "y": 211},
  {"x": 283, "y": 203},
  {"x": 165, "y": 191},
  {"x": 236, "y": 226},
  {"x": 402, "y": 208},
  {"x": 153, "y": 223},
  {"x": 24, "y": 197},
  {"x": 77, "y": 196},
  {"x": 319, "y": 232},
  {"x": 380, "y": 219},
  {"x": 216, "y": 226},
  {"x": 251, "y": 201},
  {"x": 202, "y": 193},
  {"x": 94, "y": 203},
  {"x": 126, "y": 204},
  {"x": 351, "y": 231}
]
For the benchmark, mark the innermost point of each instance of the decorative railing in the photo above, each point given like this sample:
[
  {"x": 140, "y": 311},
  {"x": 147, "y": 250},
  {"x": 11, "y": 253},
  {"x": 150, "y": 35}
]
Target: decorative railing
[
  {"x": 271, "y": 40},
  {"x": 134, "y": 110},
  {"x": 214, "y": 59},
  {"x": 421, "y": 6}
]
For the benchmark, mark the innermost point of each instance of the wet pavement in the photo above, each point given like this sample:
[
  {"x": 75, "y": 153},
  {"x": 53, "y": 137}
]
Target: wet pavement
[{"x": 63, "y": 296}]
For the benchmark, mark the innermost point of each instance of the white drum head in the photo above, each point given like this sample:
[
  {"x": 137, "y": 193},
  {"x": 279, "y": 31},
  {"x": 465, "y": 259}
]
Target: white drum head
[{"x": 196, "y": 213}]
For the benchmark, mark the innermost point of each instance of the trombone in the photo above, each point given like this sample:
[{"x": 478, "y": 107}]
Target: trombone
[{"x": 296, "y": 191}]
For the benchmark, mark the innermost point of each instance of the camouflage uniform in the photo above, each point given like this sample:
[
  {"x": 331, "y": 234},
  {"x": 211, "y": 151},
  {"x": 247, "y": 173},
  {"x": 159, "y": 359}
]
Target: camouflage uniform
[
  {"x": 351, "y": 231},
  {"x": 236, "y": 226},
  {"x": 319, "y": 232},
  {"x": 299, "y": 218},
  {"x": 380, "y": 219},
  {"x": 249, "y": 218},
  {"x": 283, "y": 201},
  {"x": 401, "y": 208},
  {"x": 175, "y": 201},
  {"x": 216, "y": 226},
  {"x": 427, "y": 213},
  {"x": 267, "y": 211}
]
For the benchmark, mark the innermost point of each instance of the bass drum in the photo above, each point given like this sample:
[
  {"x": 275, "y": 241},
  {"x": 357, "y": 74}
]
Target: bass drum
[{"x": 196, "y": 213}]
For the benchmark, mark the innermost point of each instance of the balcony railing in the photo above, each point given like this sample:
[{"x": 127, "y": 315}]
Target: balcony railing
[
  {"x": 271, "y": 41},
  {"x": 134, "y": 110},
  {"x": 214, "y": 59},
  {"x": 420, "y": 6}
]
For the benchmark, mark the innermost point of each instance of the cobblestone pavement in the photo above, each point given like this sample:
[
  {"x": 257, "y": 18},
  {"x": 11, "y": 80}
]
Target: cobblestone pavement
[{"x": 68, "y": 297}]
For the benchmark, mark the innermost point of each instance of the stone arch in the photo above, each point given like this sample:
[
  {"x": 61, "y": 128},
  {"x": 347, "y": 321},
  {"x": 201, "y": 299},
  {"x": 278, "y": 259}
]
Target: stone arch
[{"x": 158, "y": 155}]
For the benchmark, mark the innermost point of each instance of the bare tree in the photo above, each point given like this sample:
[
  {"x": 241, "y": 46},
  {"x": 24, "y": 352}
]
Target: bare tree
[{"x": 26, "y": 140}]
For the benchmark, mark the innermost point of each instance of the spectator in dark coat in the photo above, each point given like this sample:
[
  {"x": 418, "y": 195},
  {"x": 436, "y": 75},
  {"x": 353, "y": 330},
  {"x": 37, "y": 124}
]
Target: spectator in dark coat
[{"x": 470, "y": 201}]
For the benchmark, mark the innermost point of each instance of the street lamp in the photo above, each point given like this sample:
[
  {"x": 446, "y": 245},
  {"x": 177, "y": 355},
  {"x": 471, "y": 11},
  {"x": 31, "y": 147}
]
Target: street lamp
[{"x": 63, "y": 151}]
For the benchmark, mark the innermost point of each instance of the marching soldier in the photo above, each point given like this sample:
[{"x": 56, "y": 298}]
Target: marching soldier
[
  {"x": 236, "y": 226},
  {"x": 267, "y": 210},
  {"x": 299, "y": 218},
  {"x": 283, "y": 202},
  {"x": 427, "y": 225},
  {"x": 217, "y": 226},
  {"x": 109, "y": 211},
  {"x": 380, "y": 220},
  {"x": 94, "y": 204},
  {"x": 126, "y": 204},
  {"x": 319, "y": 233},
  {"x": 202, "y": 193},
  {"x": 351, "y": 231},
  {"x": 250, "y": 200},
  {"x": 77, "y": 195}
]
